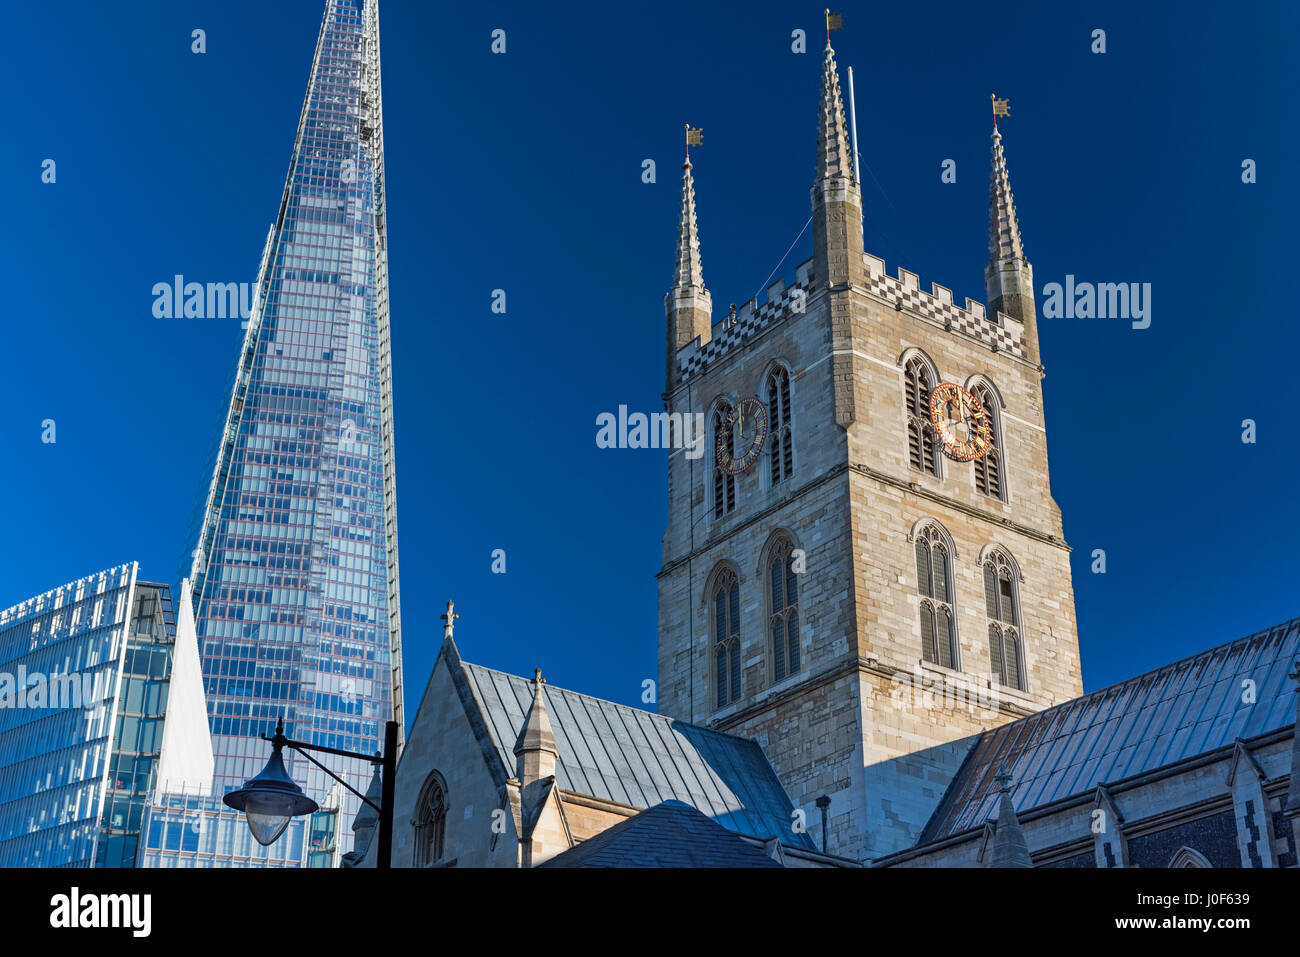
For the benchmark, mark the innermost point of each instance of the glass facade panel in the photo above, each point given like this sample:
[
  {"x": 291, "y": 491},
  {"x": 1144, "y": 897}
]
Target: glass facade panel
[
  {"x": 294, "y": 558},
  {"x": 197, "y": 830},
  {"x": 83, "y": 670}
]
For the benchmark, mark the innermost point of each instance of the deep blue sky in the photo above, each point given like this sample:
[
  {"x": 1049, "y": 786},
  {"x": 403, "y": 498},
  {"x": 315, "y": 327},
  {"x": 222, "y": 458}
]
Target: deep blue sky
[{"x": 522, "y": 172}]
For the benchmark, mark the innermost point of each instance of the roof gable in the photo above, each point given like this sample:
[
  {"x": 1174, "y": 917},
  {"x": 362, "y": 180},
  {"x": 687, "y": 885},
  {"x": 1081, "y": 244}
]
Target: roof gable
[{"x": 615, "y": 753}]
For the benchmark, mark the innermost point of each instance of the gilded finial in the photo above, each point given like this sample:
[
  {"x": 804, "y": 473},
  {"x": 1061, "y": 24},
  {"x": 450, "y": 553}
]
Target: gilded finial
[
  {"x": 834, "y": 21},
  {"x": 694, "y": 137},
  {"x": 1000, "y": 108}
]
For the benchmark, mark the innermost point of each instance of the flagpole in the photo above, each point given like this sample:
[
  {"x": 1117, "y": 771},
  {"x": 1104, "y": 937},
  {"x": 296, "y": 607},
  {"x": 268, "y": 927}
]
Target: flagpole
[
  {"x": 853, "y": 125},
  {"x": 857, "y": 162}
]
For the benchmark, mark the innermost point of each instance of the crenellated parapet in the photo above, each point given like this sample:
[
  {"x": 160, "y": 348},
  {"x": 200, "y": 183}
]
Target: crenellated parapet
[
  {"x": 1001, "y": 334},
  {"x": 781, "y": 302}
]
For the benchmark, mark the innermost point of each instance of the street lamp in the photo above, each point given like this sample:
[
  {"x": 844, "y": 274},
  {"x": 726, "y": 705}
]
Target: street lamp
[{"x": 272, "y": 798}]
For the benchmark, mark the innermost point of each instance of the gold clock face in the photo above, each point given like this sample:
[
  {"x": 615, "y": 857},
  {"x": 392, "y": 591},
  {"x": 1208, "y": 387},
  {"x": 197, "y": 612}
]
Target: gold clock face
[
  {"x": 746, "y": 428},
  {"x": 963, "y": 425}
]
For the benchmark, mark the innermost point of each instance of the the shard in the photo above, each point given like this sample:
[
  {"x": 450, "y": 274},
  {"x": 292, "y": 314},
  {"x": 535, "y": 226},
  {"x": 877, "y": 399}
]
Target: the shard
[{"x": 294, "y": 556}]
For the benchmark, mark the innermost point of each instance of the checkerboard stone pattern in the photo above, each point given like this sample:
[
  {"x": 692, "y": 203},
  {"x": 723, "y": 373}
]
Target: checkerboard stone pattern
[
  {"x": 1004, "y": 334},
  {"x": 749, "y": 322}
]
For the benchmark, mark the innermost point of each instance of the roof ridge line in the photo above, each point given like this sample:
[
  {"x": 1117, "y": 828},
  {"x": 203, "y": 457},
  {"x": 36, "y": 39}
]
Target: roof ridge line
[
  {"x": 616, "y": 704},
  {"x": 1263, "y": 632}
]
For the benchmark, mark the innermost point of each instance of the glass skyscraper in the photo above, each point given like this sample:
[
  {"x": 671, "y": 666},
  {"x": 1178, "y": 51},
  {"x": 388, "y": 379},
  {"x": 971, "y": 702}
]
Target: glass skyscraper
[
  {"x": 294, "y": 556},
  {"x": 91, "y": 720}
]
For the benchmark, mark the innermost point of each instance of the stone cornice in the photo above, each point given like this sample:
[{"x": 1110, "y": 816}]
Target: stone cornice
[
  {"x": 957, "y": 505},
  {"x": 915, "y": 488},
  {"x": 711, "y": 542},
  {"x": 838, "y": 669}
]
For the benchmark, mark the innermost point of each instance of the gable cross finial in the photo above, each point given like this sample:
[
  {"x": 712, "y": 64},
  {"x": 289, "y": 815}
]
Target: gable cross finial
[{"x": 449, "y": 616}]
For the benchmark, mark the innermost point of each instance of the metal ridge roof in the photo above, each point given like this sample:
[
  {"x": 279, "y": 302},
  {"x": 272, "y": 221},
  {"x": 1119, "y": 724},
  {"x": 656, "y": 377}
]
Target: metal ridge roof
[
  {"x": 617, "y": 753},
  {"x": 1146, "y": 722}
]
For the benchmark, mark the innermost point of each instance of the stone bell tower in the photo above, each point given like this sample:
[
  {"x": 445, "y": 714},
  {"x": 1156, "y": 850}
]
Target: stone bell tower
[{"x": 881, "y": 579}]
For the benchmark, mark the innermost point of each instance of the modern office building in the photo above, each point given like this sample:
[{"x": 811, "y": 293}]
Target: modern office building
[
  {"x": 195, "y": 829},
  {"x": 101, "y": 700},
  {"x": 294, "y": 555}
]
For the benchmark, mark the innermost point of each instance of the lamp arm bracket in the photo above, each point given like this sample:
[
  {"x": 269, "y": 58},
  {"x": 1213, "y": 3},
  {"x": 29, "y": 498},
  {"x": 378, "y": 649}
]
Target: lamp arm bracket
[{"x": 299, "y": 749}]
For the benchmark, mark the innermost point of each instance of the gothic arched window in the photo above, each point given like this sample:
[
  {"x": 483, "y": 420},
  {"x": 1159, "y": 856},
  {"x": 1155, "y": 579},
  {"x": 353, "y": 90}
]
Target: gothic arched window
[
  {"x": 783, "y": 622},
  {"x": 780, "y": 443},
  {"x": 934, "y": 585},
  {"x": 724, "y": 485},
  {"x": 1186, "y": 857},
  {"x": 917, "y": 386},
  {"x": 988, "y": 467},
  {"x": 1002, "y": 605},
  {"x": 431, "y": 822},
  {"x": 726, "y": 637}
]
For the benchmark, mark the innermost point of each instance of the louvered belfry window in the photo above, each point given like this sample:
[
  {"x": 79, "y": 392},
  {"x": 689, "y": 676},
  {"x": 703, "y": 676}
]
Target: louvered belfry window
[
  {"x": 726, "y": 638},
  {"x": 780, "y": 442},
  {"x": 724, "y": 485},
  {"x": 1001, "y": 607},
  {"x": 934, "y": 585},
  {"x": 917, "y": 387},
  {"x": 988, "y": 467},
  {"x": 783, "y": 622}
]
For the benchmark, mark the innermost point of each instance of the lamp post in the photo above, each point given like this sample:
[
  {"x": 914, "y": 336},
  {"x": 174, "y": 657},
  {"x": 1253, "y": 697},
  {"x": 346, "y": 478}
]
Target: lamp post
[{"x": 272, "y": 798}]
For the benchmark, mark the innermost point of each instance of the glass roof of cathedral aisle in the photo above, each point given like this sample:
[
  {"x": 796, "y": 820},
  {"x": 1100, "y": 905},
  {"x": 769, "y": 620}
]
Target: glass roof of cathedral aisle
[
  {"x": 1190, "y": 707},
  {"x": 616, "y": 753}
]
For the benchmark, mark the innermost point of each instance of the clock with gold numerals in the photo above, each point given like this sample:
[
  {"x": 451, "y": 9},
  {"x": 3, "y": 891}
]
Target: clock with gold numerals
[
  {"x": 741, "y": 437},
  {"x": 961, "y": 422}
]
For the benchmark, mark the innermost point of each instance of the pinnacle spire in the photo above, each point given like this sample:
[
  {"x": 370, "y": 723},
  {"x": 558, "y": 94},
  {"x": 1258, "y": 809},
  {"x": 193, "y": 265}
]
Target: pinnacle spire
[
  {"x": 689, "y": 272},
  {"x": 1010, "y": 849},
  {"x": 536, "y": 734},
  {"x": 834, "y": 152},
  {"x": 687, "y": 304},
  {"x": 1004, "y": 226}
]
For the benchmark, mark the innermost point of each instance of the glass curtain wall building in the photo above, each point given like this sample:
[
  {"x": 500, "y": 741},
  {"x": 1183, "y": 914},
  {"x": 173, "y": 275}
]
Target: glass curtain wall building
[
  {"x": 195, "y": 830},
  {"x": 85, "y": 686},
  {"x": 294, "y": 556}
]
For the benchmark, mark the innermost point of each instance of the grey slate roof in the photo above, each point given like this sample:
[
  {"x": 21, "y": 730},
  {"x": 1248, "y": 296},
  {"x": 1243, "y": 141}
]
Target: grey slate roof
[
  {"x": 671, "y": 834},
  {"x": 1156, "y": 719},
  {"x": 632, "y": 757}
]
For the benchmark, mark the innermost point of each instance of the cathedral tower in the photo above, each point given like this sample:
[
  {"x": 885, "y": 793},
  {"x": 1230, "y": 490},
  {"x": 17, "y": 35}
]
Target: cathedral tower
[{"x": 865, "y": 567}]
